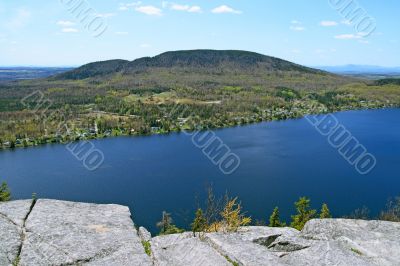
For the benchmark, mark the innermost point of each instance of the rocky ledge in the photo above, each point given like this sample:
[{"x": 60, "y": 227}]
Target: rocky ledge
[{"x": 50, "y": 232}]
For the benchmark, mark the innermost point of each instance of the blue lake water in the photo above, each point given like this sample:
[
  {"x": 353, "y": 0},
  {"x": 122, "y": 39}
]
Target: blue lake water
[{"x": 280, "y": 161}]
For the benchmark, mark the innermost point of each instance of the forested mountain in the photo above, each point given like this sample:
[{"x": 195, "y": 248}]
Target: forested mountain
[
  {"x": 204, "y": 69},
  {"x": 214, "y": 88}
]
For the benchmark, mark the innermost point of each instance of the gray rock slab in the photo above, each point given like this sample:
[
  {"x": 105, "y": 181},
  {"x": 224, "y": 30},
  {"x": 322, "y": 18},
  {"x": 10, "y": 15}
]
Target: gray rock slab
[
  {"x": 68, "y": 233},
  {"x": 324, "y": 253},
  {"x": 144, "y": 234},
  {"x": 249, "y": 246},
  {"x": 377, "y": 242},
  {"x": 184, "y": 249},
  {"x": 12, "y": 215}
]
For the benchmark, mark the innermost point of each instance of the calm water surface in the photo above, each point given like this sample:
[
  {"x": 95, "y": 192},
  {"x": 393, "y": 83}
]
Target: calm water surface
[{"x": 280, "y": 161}]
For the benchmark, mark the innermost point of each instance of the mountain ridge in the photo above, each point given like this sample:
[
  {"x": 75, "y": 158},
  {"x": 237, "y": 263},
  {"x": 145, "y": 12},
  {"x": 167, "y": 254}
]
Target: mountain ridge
[{"x": 216, "y": 60}]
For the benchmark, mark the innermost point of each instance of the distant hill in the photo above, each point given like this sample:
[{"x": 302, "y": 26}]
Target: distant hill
[
  {"x": 203, "y": 68},
  {"x": 20, "y": 73},
  {"x": 382, "y": 82},
  {"x": 201, "y": 59},
  {"x": 360, "y": 69}
]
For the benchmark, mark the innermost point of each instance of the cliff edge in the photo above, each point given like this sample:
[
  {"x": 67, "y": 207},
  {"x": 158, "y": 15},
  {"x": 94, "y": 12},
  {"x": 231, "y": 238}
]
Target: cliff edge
[{"x": 51, "y": 232}]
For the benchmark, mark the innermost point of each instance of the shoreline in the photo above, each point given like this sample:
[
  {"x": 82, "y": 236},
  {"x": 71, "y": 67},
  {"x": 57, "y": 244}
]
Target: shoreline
[{"x": 102, "y": 136}]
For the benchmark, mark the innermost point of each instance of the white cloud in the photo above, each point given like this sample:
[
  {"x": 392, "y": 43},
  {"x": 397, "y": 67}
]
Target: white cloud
[
  {"x": 126, "y": 6},
  {"x": 328, "y": 23},
  {"x": 69, "y": 30},
  {"x": 187, "y": 8},
  {"x": 295, "y": 22},
  {"x": 149, "y": 10},
  {"x": 122, "y": 33},
  {"x": 195, "y": 9},
  {"x": 65, "y": 23},
  {"x": 297, "y": 28},
  {"x": 225, "y": 9},
  {"x": 348, "y": 36}
]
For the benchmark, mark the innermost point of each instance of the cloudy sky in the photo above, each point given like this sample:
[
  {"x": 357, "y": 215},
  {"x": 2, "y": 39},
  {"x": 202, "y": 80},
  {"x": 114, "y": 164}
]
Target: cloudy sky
[{"x": 74, "y": 32}]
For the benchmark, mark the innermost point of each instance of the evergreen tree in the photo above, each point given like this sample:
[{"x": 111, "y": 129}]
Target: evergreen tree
[
  {"x": 274, "y": 220},
  {"x": 165, "y": 222},
  {"x": 200, "y": 223},
  {"x": 166, "y": 226},
  {"x": 304, "y": 213},
  {"x": 325, "y": 212},
  {"x": 5, "y": 194}
]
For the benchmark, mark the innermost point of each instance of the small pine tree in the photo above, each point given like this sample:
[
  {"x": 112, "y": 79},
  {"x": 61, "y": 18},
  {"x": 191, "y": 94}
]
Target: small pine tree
[
  {"x": 200, "y": 223},
  {"x": 165, "y": 222},
  {"x": 304, "y": 213},
  {"x": 5, "y": 194},
  {"x": 325, "y": 212},
  {"x": 274, "y": 219},
  {"x": 166, "y": 226}
]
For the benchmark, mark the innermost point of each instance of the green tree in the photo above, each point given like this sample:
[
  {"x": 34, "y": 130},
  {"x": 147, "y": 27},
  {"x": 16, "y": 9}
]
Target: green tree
[
  {"x": 304, "y": 213},
  {"x": 325, "y": 212},
  {"x": 200, "y": 223},
  {"x": 5, "y": 194},
  {"x": 274, "y": 219},
  {"x": 166, "y": 226}
]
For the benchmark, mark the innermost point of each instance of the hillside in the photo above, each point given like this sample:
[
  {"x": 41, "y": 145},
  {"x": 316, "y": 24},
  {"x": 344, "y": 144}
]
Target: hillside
[
  {"x": 216, "y": 88},
  {"x": 204, "y": 69}
]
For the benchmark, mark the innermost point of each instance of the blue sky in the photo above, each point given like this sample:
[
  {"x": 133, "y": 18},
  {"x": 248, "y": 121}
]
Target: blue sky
[{"x": 48, "y": 32}]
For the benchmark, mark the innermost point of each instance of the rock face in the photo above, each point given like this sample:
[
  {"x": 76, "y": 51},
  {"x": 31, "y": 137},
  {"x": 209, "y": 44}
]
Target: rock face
[
  {"x": 12, "y": 218},
  {"x": 67, "y": 233},
  {"x": 49, "y": 232}
]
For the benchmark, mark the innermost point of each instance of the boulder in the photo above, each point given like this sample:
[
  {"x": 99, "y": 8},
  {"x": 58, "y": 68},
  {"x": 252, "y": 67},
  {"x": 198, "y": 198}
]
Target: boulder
[{"x": 68, "y": 233}]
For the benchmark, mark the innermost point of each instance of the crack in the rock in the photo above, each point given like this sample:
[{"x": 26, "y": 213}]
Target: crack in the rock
[
  {"x": 218, "y": 249},
  {"x": 152, "y": 256},
  {"x": 266, "y": 241},
  {"x": 6, "y": 218},
  {"x": 286, "y": 246},
  {"x": 99, "y": 255},
  {"x": 9, "y": 219},
  {"x": 22, "y": 236}
]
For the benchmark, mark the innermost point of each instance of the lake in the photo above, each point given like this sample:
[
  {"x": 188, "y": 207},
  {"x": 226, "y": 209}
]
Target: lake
[{"x": 280, "y": 161}]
